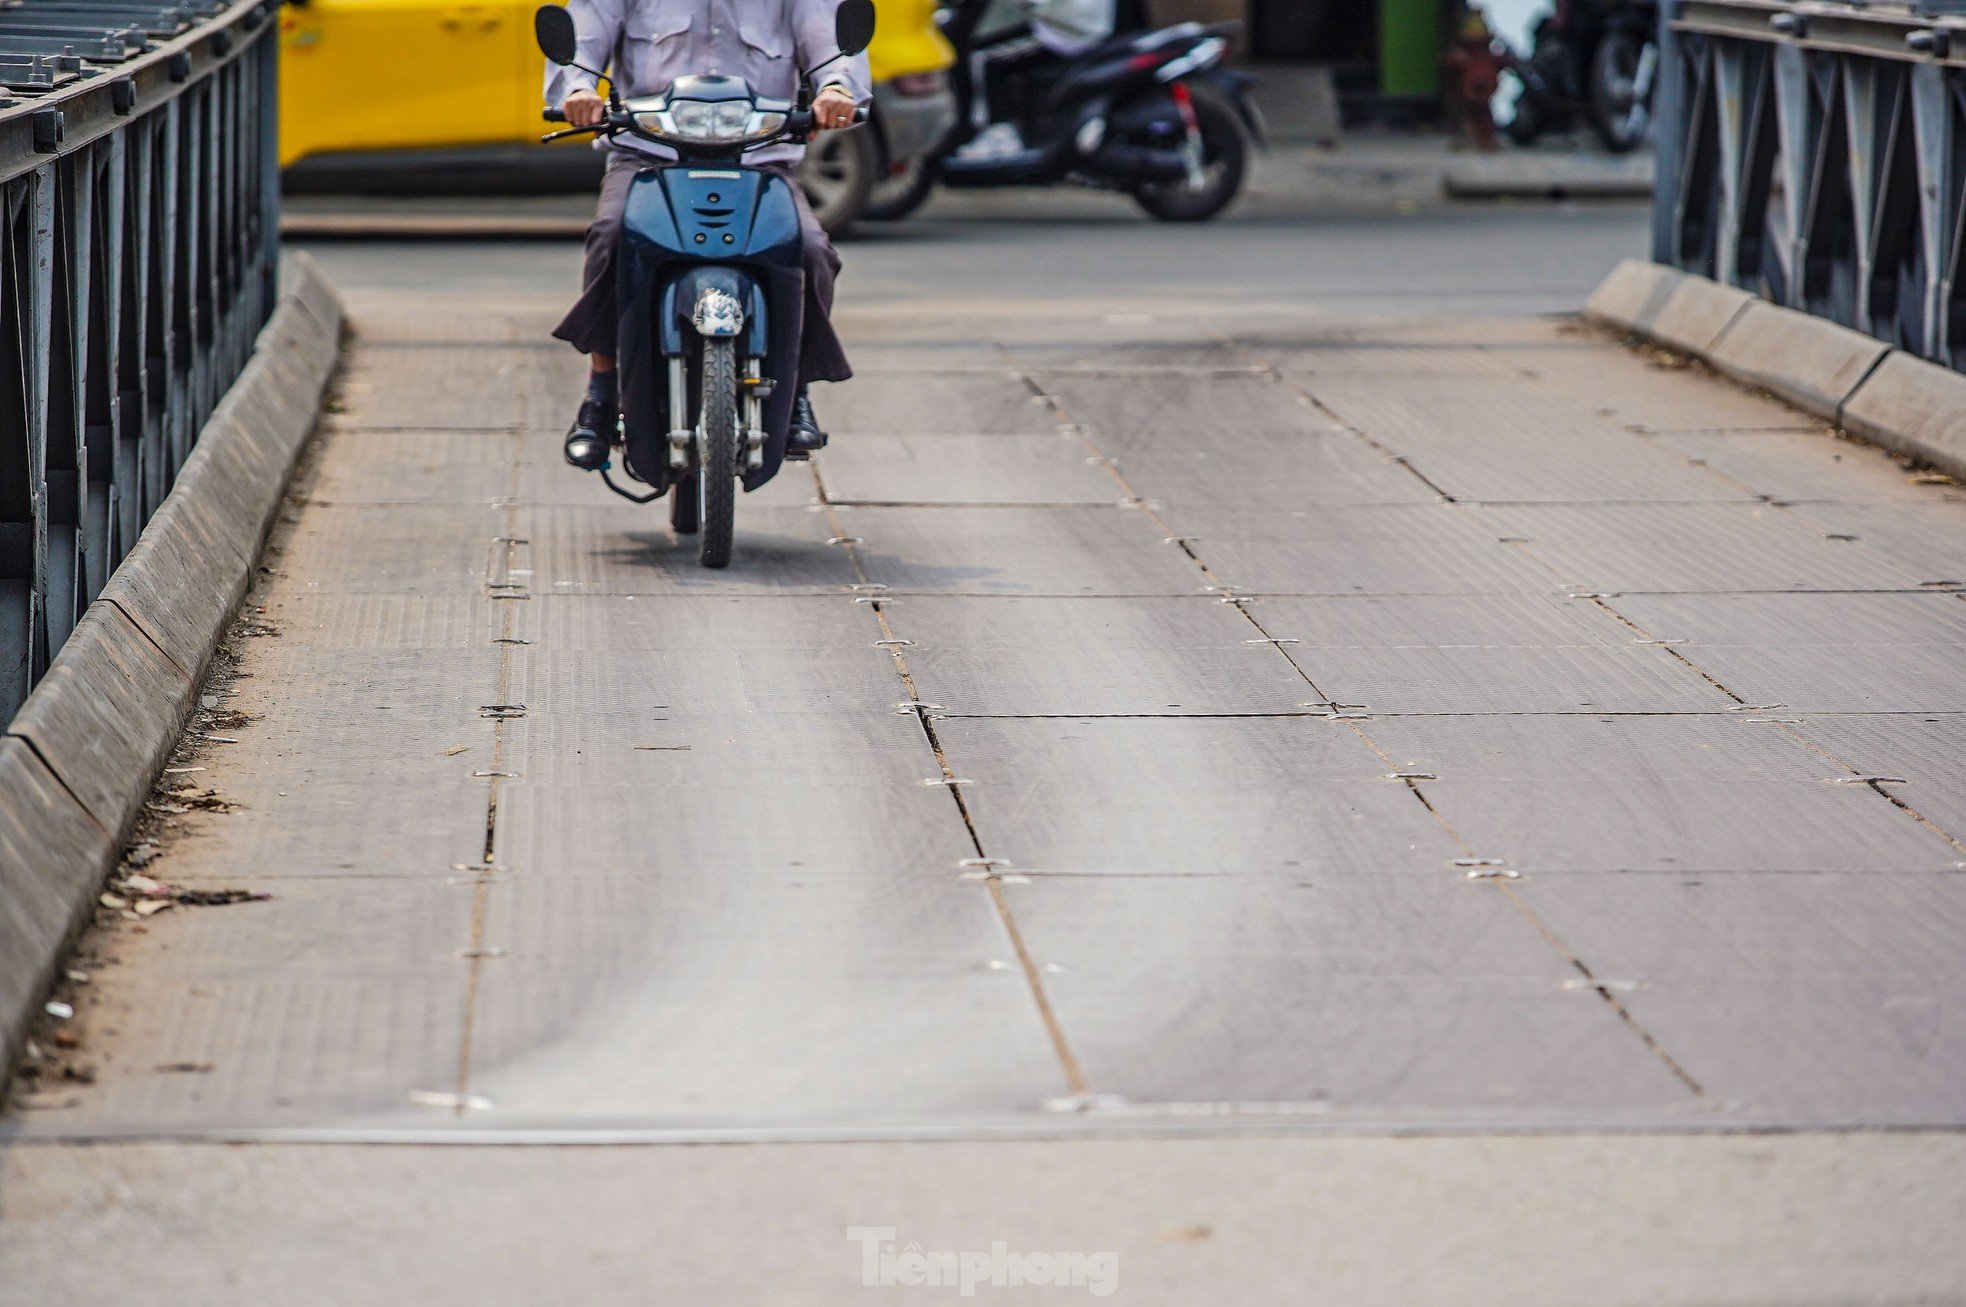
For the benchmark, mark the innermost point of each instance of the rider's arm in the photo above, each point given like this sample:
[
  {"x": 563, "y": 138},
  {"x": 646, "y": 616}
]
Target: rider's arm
[
  {"x": 812, "y": 32},
  {"x": 597, "y": 29}
]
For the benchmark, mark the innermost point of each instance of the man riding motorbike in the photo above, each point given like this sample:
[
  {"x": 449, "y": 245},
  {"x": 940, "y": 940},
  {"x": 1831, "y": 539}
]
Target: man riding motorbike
[
  {"x": 644, "y": 45},
  {"x": 1040, "y": 34}
]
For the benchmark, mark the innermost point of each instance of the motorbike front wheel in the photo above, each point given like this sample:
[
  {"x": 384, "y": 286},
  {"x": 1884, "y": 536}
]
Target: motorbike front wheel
[
  {"x": 1225, "y": 158},
  {"x": 716, "y": 463},
  {"x": 1621, "y": 88}
]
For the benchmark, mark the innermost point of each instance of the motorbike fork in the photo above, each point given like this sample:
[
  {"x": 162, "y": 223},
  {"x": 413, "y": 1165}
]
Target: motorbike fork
[
  {"x": 1191, "y": 151},
  {"x": 681, "y": 437},
  {"x": 755, "y": 393}
]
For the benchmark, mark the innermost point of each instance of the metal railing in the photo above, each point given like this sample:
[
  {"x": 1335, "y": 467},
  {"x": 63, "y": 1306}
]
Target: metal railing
[
  {"x": 138, "y": 260},
  {"x": 1815, "y": 153}
]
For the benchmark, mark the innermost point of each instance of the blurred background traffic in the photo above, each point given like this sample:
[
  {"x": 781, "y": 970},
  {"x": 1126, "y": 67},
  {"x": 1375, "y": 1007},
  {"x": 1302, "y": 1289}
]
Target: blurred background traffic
[{"x": 1368, "y": 101}]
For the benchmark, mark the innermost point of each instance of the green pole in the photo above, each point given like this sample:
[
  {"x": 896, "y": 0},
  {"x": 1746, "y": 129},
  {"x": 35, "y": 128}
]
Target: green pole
[{"x": 1409, "y": 47}]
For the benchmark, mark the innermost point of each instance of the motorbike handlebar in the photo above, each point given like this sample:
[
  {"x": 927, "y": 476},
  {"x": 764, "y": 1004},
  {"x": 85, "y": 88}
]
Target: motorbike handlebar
[{"x": 798, "y": 124}]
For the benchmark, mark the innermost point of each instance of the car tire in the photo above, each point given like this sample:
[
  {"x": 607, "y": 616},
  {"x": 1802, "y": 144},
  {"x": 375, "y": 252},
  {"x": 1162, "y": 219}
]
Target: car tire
[
  {"x": 898, "y": 195},
  {"x": 838, "y": 173}
]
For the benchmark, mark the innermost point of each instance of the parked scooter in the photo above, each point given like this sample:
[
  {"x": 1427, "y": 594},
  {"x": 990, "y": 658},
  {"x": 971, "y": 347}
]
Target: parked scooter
[
  {"x": 1597, "y": 60},
  {"x": 1153, "y": 114},
  {"x": 713, "y": 276}
]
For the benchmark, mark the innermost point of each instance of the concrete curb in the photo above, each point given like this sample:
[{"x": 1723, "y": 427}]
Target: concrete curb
[
  {"x": 1872, "y": 390},
  {"x": 1912, "y": 407},
  {"x": 84, "y": 750}
]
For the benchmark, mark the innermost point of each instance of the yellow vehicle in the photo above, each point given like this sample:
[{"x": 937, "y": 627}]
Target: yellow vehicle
[{"x": 356, "y": 76}]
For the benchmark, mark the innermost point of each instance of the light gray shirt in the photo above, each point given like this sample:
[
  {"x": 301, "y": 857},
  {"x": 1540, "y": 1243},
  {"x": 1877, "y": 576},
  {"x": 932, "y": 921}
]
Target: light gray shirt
[
  {"x": 1064, "y": 27},
  {"x": 646, "y": 44}
]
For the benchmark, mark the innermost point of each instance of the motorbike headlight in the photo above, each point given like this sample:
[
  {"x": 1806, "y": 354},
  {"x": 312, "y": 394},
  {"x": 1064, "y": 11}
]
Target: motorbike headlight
[
  {"x": 702, "y": 120},
  {"x": 764, "y": 124},
  {"x": 694, "y": 119}
]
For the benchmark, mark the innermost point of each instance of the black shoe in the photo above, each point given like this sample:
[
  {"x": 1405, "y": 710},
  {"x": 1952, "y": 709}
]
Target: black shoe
[
  {"x": 806, "y": 437},
  {"x": 591, "y": 438}
]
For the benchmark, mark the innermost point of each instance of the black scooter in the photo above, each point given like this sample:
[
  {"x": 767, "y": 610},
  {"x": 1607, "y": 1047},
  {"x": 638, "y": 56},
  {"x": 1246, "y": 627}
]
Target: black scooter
[
  {"x": 712, "y": 276},
  {"x": 1597, "y": 60},
  {"x": 1153, "y": 114}
]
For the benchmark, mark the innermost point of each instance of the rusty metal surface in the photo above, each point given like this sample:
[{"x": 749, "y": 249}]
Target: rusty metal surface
[{"x": 1113, "y": 731}]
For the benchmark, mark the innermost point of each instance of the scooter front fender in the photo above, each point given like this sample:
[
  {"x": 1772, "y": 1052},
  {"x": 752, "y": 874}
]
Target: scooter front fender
[{"x": 681, "y": 298}]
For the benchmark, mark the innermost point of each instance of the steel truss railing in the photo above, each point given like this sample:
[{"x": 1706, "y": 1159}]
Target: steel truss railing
[
  {"x": 138, "y": 260},
  {"x": 1815, "y": 154}
]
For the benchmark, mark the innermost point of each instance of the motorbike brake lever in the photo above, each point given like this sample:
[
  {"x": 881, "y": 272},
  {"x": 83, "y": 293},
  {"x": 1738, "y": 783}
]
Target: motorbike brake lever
[{"x": 550, "y": 137}]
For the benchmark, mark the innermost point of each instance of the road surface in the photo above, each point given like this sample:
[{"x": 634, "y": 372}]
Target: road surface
[{"x": 1255, "y": 752}]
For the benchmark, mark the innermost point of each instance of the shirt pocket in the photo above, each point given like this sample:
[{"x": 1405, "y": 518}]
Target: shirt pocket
[
  {"x": 650, "y": 38},
  {"x": 646, "y": 24},
  {"x": 767, "y": 39}
]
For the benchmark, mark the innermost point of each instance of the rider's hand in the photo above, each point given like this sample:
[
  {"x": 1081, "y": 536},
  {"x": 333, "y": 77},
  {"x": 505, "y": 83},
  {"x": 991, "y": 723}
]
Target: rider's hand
[
  {"x": 833, "y": 107},
  {"x": 585, "y": 108}
]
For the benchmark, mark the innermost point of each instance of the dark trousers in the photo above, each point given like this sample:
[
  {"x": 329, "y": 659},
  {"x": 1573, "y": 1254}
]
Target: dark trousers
[{"x": 590, "y": 324}]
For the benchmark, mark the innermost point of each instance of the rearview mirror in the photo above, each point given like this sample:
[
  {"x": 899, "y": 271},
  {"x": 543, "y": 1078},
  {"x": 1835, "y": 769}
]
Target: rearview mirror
[
  {"x": 853, "y": 26},
  {"x": 552, "y": 27}
]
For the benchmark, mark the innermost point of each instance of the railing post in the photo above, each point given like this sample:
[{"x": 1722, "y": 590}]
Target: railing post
[{"x": 1669, "y": 136}]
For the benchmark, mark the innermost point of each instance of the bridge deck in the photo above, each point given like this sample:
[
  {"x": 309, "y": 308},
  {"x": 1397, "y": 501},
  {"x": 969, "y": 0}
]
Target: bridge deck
[{"x": 1384, "y": 724}]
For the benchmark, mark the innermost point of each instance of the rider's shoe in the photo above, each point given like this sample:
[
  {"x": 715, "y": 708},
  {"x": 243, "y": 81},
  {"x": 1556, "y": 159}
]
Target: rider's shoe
[
  {"x": 995, "y": 142},
  {"x": 806, "y": 438},
  {"x": 591, "y": 438}
]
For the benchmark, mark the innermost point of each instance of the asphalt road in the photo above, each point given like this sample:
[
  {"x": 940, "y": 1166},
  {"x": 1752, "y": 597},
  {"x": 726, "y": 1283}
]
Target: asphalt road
[{"x": 1252, "y": 754}]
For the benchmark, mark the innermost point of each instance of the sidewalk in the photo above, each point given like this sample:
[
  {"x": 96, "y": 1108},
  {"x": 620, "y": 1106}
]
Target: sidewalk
[{"x": 1363, "y": 172}]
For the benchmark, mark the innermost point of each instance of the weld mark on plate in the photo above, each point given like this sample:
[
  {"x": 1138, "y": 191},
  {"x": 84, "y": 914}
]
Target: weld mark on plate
[
  {"x": 1119, "y": 1105},
  {"x": 453, "y": 1102}
]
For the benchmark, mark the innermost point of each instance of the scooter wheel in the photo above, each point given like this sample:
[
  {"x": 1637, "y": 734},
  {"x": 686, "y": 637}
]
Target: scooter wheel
[
  {"x": 1621, "y": 90},
  {"x": 1225, "y": 159},
  {"x": 716, "y": 477}
]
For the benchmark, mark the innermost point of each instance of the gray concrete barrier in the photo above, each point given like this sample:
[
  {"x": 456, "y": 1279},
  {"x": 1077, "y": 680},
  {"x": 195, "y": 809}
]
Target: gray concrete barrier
[
  {"x": 1915, "y": 408},
  {"x": 80, "y": 756},
  {"x": 1811, "y": 362},
  {"x": 1873, "y": 391}
]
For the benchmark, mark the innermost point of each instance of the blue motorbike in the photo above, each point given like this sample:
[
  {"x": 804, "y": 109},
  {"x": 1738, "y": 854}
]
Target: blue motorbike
[{"x": 712, "y": 278}]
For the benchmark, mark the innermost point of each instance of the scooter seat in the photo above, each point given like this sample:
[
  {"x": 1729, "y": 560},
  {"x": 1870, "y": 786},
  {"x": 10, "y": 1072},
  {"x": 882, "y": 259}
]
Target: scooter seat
[{"x": 1138, "y": 42}]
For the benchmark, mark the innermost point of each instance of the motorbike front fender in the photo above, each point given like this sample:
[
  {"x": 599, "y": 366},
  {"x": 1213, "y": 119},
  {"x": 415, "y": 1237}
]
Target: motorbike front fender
[{"x": 679, "y": 300}]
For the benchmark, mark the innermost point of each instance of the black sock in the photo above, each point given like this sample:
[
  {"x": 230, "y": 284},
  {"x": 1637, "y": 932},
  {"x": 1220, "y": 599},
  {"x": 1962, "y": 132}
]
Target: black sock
[{"x": 601, "y": 389}]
